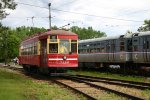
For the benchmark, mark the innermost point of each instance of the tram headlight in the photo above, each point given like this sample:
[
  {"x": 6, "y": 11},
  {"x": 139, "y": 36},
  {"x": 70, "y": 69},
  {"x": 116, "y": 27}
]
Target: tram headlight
[{"x": 64, "y": 58}]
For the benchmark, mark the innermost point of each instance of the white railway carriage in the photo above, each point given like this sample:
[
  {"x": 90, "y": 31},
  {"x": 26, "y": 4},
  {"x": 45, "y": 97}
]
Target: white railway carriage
[
  {"x": 105, "y": 51},
  {"x": 141, "y": 48}
]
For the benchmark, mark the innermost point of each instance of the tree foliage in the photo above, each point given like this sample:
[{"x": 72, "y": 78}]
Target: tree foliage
[
  {"x": 9, "y": 43},
  {"x": 23, "y": 32},
  {"x": 10, "y": 39},
  {"x": 87, "y": 33},
  {"x": 6, "y": 4},
  {"x": 146, "y": 26}
]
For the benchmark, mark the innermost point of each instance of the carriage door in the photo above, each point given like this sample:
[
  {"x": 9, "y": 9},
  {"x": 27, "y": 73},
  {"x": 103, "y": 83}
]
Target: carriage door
[
  {"x": 113, "y": 50},
  {"x": 108, "y": 50},
  {"x": 43, "y": 57},
  {"x": 145, "y": 49},
  {"x": 148, "y": 48}
]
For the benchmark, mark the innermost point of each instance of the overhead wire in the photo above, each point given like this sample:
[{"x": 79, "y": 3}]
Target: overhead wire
[
  {"x": 137, "y": 11},
  {"x": 31, "y": 5},
  {"x": 96, "y": 15},
  {"x": 81, "y": 13}
]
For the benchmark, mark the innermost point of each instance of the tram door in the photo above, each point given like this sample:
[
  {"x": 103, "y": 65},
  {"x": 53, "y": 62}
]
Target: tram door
[
  {"x": 43, "y": 57},
  {"x": 146, "y": 43}
]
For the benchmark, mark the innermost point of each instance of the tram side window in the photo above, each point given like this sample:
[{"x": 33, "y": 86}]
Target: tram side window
[
  {"x": 53, "y": 48},
  {"x": 74, "y": 46},
  {"x": 35, "y": 49}
]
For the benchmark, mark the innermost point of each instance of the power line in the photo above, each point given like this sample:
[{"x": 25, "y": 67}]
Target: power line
[
  {"x": 31, "y": 5},
  {"x": 96, "y": 15},
  {"x": 68, "y": 3},
  {"x": 26, "y": 17},
  {"x": 82, "y": 13},
  {"x": 137, "y": 11}
]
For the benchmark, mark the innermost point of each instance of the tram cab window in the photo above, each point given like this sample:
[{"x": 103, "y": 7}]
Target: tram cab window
[
  {"x": 53, "y": 48},
  {"x": 64, "y": 47},
  {"x": 73, "y": 46}
]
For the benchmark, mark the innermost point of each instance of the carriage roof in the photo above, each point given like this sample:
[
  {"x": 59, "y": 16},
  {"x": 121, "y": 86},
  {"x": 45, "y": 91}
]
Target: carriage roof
[
  {"x": 102, "y": 39},
  {"x": 143, "y": 33}
]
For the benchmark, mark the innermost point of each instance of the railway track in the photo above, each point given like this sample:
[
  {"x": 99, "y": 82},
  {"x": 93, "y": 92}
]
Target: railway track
[
  {"x": 95, "y": 88},
  {"x": 140, "y": 85},
  {"x": 12, "y": 67},
  {"x": 86, "y": 87},
  {"x": 132, "y": 84}
]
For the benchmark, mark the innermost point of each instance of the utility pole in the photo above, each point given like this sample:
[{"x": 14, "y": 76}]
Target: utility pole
[
  {"x": 32, "y": 21},
  {"x": 49, "y": 15},
  {"x": 6, "y": 49}
]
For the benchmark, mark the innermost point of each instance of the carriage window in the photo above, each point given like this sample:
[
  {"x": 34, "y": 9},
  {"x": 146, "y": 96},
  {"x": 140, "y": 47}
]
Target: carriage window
[
  {"x": 103, "y": 49},
  {"x": 98, "y": 49},
  {"x": 122, "y": 46},
  {"x": 74, "y": 46},
  {"x": 135, "y": 48},
  {"x": 108, "y": 48},
  {"x": 129, "y": 45},
  {"x": 64, "y": 47},
  {"x": 53, "y": 48},
  {"x": 147, "y": 44}
]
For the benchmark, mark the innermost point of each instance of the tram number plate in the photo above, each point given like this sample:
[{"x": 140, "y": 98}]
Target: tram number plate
[
  {"x": 59, "y": 62},
  {"x": 63, "y": 62}
]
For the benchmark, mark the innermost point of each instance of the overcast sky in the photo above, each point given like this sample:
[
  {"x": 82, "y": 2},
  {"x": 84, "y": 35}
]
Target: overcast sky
[{"x": 114, "y": 17}]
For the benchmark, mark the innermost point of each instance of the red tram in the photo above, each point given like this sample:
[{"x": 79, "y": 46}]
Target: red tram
[{"x": 50, "y": 50}]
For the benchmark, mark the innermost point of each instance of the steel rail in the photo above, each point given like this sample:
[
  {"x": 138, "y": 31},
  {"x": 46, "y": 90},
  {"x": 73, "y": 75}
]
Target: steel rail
[
  {"x": 110, "y": 79},
  {"x": 104, "y": 88},
  {"x": 76, "y": 90},
  {"x": 114, "y": 83}
]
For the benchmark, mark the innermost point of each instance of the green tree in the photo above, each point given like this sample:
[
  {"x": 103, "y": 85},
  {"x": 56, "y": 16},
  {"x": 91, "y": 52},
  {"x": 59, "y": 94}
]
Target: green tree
[
  {"x": 24, "y": 32},
  {"x": 146, "y": 26},
  {"x": 9, "y": 43},
  {"x": 87, "y": 33},
  {"x": 6, "y": 4},
  {"x": 5, "y": 37}
]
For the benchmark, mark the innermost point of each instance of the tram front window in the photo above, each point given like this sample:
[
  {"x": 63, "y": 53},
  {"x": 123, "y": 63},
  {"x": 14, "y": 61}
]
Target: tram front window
[
  {"x": 64, "y": 47},
  {"x": 53, "y": 48}
]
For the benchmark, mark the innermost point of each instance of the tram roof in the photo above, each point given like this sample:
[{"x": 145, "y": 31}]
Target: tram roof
[
  {"x": 51, "y": 32},
  {"x": 58, "y": 32}
]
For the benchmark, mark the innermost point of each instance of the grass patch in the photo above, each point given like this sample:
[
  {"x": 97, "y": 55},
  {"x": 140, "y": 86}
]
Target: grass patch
[
  {"x": 18, "y": 87},
  {"x": 110, "y": 75}
]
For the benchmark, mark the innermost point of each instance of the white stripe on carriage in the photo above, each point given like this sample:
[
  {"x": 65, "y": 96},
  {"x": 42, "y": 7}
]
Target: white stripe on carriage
[{"x": 62, "y": 59}]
